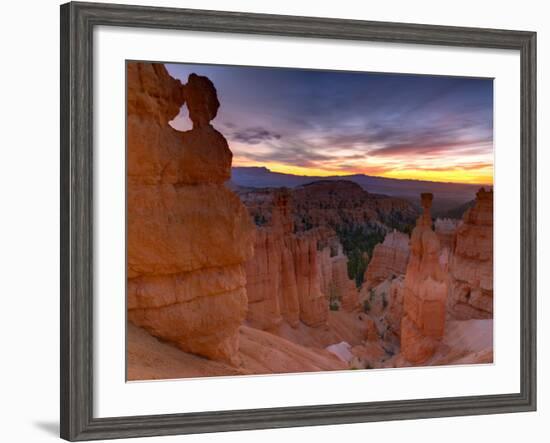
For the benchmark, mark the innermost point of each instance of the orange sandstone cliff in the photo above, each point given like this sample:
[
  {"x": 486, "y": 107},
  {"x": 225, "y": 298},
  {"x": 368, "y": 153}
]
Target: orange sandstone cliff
[
  {"x": 471, "y": 265},
  {"x": 188, "y": 236}
]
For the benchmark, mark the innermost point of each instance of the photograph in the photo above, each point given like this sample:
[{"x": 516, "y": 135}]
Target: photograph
[
  {"x": 243, "y": 222},
  {"x": 285, "y": 220}
]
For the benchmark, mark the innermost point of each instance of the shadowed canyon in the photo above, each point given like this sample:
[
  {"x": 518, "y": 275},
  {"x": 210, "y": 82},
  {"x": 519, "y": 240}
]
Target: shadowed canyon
[{"x": 235, "y": 271}]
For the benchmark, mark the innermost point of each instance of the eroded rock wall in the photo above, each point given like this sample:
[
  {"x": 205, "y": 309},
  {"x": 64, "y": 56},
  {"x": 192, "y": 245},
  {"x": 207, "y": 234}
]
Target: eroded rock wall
[
  {"x": 188, "y": 235},
  {"x": 284, "y": 274},
  {"x": 271, "y": 272},
  {"x": 471, "y": 264},
  {"x": 446, "y": 228},
  {"x": 336, "y": 283},
  {"x": 293, "y": 276},
  {"x": 388, "y": 258},
  {"x": 394, "y": 312}
]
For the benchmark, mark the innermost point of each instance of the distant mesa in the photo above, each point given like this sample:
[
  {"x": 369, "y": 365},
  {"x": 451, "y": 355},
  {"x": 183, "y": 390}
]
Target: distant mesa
[
  {"x": 448, "y": 195},
  {"x": 334, "y": 203}
]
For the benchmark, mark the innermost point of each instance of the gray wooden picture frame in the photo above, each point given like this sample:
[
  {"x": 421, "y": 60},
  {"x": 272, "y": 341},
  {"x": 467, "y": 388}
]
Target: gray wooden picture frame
[{"x": 77, "y": 24}]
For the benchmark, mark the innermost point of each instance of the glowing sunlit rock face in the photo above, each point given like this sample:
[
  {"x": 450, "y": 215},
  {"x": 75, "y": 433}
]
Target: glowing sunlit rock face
[
  {"x": 471, "y": 265},
  {"x": 424, "y": 292},
  {"x": 188, "y": 235}
]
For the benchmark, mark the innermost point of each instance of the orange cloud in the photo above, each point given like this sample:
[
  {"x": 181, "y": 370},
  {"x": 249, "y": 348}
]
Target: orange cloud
[{"x": 472, "y": 173}]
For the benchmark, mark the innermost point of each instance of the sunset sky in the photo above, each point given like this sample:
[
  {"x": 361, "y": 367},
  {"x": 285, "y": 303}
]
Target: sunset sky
[{"x": 325, "y": 123}]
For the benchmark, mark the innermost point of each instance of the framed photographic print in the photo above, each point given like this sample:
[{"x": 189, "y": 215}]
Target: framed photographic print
[{"x": 272, "y": 221}]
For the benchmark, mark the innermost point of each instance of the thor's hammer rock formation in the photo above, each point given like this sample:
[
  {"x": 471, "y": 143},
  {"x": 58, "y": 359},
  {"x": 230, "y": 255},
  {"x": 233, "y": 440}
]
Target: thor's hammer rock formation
[{"x": 425, "y": 292}]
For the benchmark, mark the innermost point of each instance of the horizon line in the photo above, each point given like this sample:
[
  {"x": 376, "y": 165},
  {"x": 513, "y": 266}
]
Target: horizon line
[{"x": 333, "y": 174}]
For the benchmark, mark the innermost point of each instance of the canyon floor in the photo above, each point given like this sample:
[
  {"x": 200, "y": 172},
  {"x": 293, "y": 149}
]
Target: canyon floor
[{"x": 262, "y": 352}]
